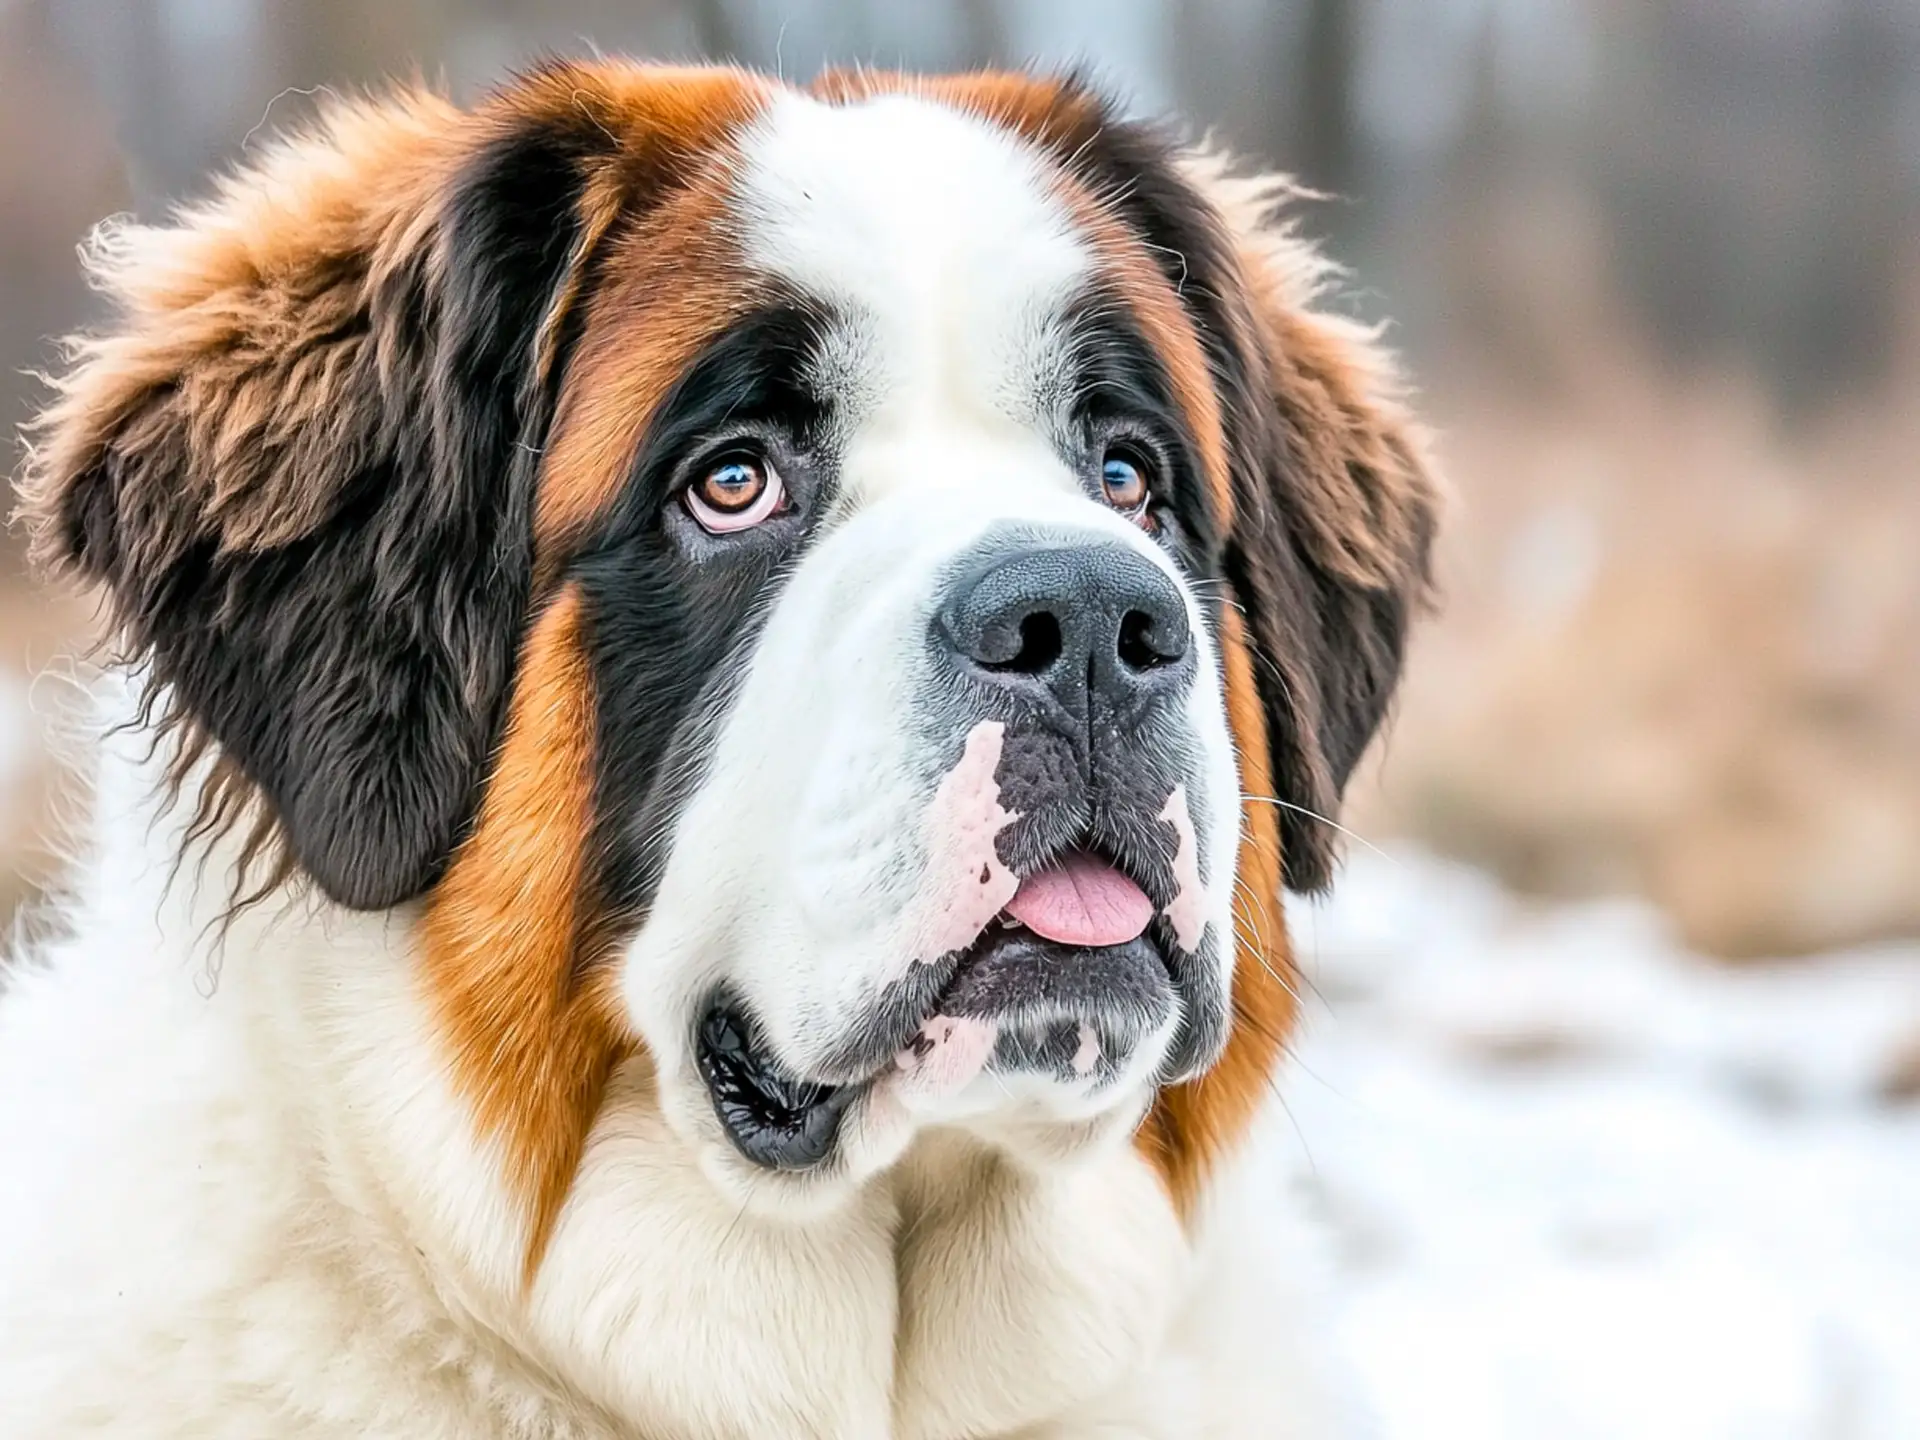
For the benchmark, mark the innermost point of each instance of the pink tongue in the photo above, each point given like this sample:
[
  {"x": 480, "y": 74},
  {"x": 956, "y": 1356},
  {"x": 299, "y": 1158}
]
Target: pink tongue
[{"x": 1081, "y": 901}]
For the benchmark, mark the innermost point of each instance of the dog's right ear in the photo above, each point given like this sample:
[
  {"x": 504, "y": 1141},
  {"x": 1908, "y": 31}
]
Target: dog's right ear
[{"x": 301, "y": 460}]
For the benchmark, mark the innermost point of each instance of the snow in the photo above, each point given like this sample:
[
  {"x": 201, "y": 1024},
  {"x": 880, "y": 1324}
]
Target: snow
[{"x": 1581, "y": 1184}]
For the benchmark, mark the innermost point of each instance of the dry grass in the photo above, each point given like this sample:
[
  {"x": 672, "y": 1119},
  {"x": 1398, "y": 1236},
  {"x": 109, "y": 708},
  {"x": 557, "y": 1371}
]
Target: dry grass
[{"x": 1681, "y": 654}]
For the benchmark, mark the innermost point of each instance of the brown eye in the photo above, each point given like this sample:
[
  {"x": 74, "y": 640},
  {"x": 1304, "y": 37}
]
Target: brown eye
[
  {"x": 1123, "y": 482},
  {"x": 735, "y": 494}
]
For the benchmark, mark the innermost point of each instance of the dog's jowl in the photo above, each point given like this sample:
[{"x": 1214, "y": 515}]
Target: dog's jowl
[{"x": 717, "y": 689}]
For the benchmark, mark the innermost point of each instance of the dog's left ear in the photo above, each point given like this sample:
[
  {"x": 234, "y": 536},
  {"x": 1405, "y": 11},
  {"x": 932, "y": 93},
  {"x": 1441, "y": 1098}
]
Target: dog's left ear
[
  {"x": 290, "y": 461},
  {"x": 1335, "y": 504},
  {"x": 301, "y": 459}
]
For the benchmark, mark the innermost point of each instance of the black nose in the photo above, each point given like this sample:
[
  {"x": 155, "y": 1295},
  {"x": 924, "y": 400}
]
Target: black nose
[{"x": 1080, "y": 621}]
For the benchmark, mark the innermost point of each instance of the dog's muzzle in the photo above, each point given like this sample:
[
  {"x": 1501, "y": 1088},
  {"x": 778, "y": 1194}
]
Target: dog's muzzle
[{"x": 1079, "y": 650}]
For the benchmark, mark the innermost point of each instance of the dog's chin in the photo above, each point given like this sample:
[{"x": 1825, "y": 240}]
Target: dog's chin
[{"x": 1020, "y": 1030}]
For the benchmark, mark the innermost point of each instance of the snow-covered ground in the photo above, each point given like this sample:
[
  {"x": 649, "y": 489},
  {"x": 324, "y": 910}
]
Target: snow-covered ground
[{"x": 1580, "y": 1184}]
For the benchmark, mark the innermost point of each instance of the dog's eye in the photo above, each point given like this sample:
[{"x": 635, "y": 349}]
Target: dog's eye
[
  {"x": 1123, "y": 482},
  {"x": 735, "y": 494}
]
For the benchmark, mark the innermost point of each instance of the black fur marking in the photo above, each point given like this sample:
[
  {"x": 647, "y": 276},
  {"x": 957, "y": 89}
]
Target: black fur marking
[
  {"x": 357, "y": 675},
  {"x": 1121, "y": 387},
  {"x": 1328, "y": 653},
  {"x": 674, "y": 610}
]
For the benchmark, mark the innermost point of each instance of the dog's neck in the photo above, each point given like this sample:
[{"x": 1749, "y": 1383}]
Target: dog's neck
[{"x": 959, "y": 1293}]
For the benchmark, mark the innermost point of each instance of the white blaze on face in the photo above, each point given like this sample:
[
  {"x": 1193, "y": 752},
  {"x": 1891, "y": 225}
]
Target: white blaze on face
[{"x": 939, "y": 240}]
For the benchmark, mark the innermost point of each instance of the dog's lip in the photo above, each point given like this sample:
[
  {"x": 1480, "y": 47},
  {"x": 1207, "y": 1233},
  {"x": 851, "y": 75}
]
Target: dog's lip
[
  {"x": 779, "y": 1120},
  {"x": 1017, "y": 977},
  {"x": 1004, "y": 934}
]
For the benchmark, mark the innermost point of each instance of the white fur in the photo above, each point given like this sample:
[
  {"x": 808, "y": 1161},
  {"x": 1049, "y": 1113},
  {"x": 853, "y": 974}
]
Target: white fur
[
  {"x": 240, "y": 1201},
  {"x": 240, "y": 1198}
]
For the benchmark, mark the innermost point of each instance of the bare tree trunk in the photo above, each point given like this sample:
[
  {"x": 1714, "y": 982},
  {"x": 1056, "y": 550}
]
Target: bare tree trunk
[
  {"x": 1329, "y": 52},
  {"x": 714, "y": 31},
  {"x": 983, "y": 33}
]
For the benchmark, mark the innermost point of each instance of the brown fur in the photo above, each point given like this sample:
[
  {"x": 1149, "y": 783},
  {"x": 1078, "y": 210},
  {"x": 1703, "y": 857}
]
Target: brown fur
[
  {"x": 672, "y": 278},
  {"x": 1361, "y": 460},
  {"x": 1142, "y": 288},
  {"x": 665, "y": 127},
  {"x": 237, "y": 329},
  {"x": 1340, "y": 517},
  {"x": 1043, "y": 109},
  {"x": 1194, "y": 1125},
  {"x": 675, "y": 285},
  {"x": 530, "y": 1045},
  {"x": 241, "y": 315}
]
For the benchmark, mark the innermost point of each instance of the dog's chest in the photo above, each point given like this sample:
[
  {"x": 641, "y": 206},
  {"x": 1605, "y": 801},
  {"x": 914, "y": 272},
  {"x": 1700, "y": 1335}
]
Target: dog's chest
[
  {"x": 966, "y": 1299},
  {"x": 1020, "y": 1297}
]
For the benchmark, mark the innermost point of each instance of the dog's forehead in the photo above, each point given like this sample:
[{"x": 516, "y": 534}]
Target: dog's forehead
[
  {"x": 901, "y": 205},
  {"x": 943, "y": 243}
]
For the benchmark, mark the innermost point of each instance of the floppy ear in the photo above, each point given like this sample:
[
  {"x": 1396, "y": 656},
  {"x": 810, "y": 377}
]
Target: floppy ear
[
  {"x": 1335, "y": 506},
  {"x": 301, "y": 460},
  {"x": 1330, "y": 501}
]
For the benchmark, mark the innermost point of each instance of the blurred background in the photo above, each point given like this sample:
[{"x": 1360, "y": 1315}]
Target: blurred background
[{"x": 1611, "y": 1062}]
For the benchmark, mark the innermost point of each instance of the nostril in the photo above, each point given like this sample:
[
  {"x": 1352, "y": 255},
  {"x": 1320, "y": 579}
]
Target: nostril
[
  {"x": 1071, "y": 620},
  {"x": 1039, "y": 645},
  {"x": 1146, "y": 644}
]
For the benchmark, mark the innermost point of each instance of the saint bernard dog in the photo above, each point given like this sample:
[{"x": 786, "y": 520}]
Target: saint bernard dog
[{"x": 718, "y": 685}]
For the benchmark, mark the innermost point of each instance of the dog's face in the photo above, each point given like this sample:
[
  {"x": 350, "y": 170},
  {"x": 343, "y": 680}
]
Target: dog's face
[
  {"x": 959, "y": 805},
  {"x": 851, "y": 594}
]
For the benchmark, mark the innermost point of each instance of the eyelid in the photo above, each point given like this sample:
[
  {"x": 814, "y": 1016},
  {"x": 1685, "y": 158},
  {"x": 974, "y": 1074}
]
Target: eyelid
[
  {"x": 716, "y": 521},
  {"x": 1140, "y": 438},
  {"x": 702, "y": 460},
  {"x": 1144, "y": 449}
]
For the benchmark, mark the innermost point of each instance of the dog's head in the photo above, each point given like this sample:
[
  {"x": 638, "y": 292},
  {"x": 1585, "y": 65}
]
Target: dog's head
[{"x": 862, "y": 595}]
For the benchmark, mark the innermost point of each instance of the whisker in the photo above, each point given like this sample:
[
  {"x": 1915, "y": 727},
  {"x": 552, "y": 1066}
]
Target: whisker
[
  {"x": 1353, "y": 835},
  {"x": 1254, "y": 898},
  {"x": 1273, "y": 1087},
  {"x": 727, "y": 1239},
  {"x": 1247, "y": 943}
]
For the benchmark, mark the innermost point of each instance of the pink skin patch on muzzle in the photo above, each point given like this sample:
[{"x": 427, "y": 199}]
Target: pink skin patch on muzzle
[
  {"x": 1088, "y": 1054},
  {"x": 1187, "y": 912},
  {"x": 966, "y": 884},
  {"x": 946, "y": 1053}
]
